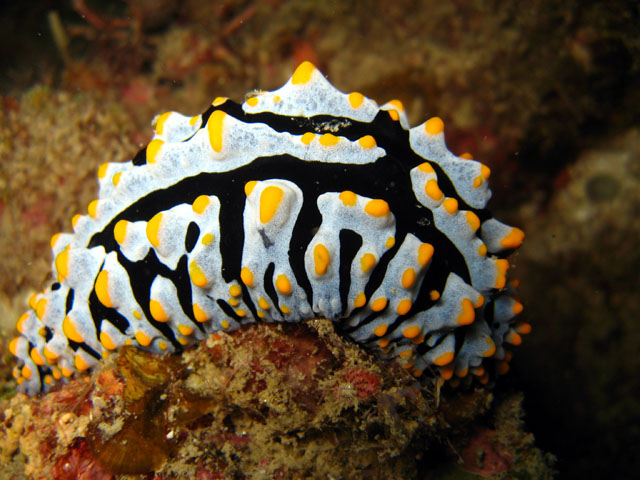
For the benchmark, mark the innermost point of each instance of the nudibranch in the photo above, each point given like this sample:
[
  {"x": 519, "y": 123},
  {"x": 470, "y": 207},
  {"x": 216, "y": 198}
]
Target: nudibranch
[{"x": 299, "y": 203}]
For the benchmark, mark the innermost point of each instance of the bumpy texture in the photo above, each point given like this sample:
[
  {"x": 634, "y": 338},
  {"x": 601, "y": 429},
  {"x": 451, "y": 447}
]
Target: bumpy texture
[{"x": 300, "y": 203}]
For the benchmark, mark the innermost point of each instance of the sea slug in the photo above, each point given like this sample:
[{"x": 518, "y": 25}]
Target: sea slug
[{"x": 299, "y": 203}]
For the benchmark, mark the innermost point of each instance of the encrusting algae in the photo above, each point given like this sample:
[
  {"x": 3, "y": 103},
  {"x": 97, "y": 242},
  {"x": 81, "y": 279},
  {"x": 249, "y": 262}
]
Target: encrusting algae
[{"x": 266, "y": 401}]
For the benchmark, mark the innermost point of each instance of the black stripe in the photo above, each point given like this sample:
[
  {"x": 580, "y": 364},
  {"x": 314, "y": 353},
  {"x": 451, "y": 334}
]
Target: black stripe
[
  {"x": 268, "y": 286},
  {"x": 228, "y": 310},
  {"x": 191, "y": 237},
  {"x": 140, "y": 158},
  {"x": 383, "y": 179},
  {"x": 69, "y": 301},
  {"x": 350, "y": 243},
  {"x": 90, "y": 351},
  {"x": 99, "y": 313},
  {"x": 387, "y": 178},
  {"x": 387, "y": 132},
  {"x": 48, "y": 334},
  {"x": 141, "y": 275}
]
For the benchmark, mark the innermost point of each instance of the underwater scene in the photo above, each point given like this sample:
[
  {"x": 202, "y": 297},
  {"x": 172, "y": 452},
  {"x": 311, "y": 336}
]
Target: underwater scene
[{"x": 277, "y": 239}]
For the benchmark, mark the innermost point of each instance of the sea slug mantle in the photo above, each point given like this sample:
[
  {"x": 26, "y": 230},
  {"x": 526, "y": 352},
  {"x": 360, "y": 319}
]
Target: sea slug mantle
[{"x": 299, "y": 203}]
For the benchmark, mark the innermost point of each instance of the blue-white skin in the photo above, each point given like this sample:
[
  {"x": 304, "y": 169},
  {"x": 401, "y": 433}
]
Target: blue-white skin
[{"x": 300, "y": 203}]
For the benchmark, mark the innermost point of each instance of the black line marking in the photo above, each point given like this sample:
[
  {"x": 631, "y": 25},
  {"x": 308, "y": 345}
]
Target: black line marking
[
  {"x": 83, "y": 346},
  {"x": 382, "y": 179},
  {"x": 350, "y": 243},
  {"x": 269, "y": 287},
  {"x": 229, "y": 311},
  {"x": 191, "y": 237},
  {"x": 141, "y": 275},
  {"x": 181, "y": 279},
  {"x": 99, "y": 313},
  {"x": 387, "y": 178},
  {"x": 69, "y": 301},
  {"x": 48, "y": 334},
  {"x": 90, "y": 351},
  {"x": 387, "y": 132},
  {"x": 42, "y": 371},
  {"x": 140, "y": 158}
]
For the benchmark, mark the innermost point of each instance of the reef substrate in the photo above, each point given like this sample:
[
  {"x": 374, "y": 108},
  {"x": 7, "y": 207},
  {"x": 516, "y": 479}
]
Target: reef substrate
[{"x": 266, "y": 401}]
